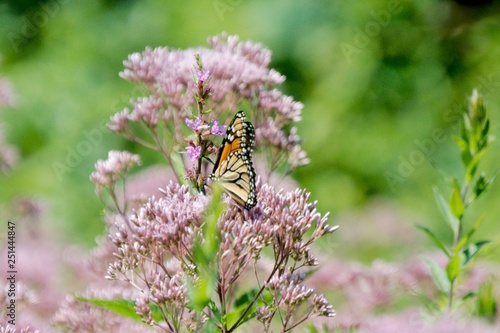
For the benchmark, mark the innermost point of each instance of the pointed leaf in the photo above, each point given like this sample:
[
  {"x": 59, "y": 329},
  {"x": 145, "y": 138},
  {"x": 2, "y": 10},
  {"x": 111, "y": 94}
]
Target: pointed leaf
[
  {"x": 205, "y": 251},
  {"x": 484, "y": 132},
  {"x": 456, "y": 203},
  {"x": 246, "y": 298},
  {"x": 468, "y": 296},
  {"x": 243, "y": 302},
  {"x": 200, "y": 293},
  {"x": 433, "y": 237},
  {"x": 178, "y": 166},
  {"x": 466, "y": 238},
  {"x": 122, "y": 307},
  {"x": 234, "y": 316},
  {"x": 445, "y": 210},
  {"x": 216, "y": 314},
  {"x": 463, "y": 145},
  {"x": 472, "y": 250},
  {"x": 472, "y": 166},
  {"x": 439, "y": 276},
  {"x": 453, "y": 267},
  {"x": 481, "y": 185}
]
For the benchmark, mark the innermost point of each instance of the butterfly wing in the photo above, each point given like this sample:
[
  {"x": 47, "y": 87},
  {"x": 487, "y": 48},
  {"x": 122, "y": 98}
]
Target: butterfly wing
[{"x": 233, "y": 168}]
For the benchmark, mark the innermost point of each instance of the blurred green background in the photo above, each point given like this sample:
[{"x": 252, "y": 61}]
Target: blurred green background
[{"x": 378, "y": 79}]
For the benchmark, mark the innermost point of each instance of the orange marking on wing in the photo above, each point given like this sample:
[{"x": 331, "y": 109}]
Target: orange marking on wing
[
  {"x": 235, "y": 145},
  {"x": 225, "y": 152}
]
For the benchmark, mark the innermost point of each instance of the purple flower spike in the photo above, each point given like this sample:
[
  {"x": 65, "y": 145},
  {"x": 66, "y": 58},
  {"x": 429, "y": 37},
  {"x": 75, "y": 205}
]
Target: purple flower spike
[
  {"x": 216, "y": 129},
  {"x": 197, "y": 125},
  {"x": 193, "y": 153},
  {"x": 202, "y": 76}
]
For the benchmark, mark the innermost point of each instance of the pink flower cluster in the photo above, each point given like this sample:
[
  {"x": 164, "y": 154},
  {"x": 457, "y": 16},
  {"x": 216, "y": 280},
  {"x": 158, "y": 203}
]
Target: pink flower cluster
[
  {"x": 229, "y": 74},
  {"x": 155, "y": 250}
]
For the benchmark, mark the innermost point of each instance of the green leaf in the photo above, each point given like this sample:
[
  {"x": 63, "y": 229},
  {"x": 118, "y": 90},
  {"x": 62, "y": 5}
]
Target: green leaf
[
  {"x": 312, "y": 328},
  {"x": 246, "y": 298},
  {"x": 464, "y": 149},
  {"x": 484, "y": 132},
  {"x": 439, "y": 276},
  {"x": 466, "y": 128},
  {"x": 482, "y": 184},
  {"x": 453, "y": 267},
  {"x": 472, "y": 166},
  {"x": 470, "y": 251},
  {"x": 470, "y": 295},
  {"x": 243, "y": 302},
  {"x": 211, "y": 234},
  {"x": 234, "y": 316},
  {"x": 465, "y": 239},
  {"x": 483, "y": 136},
  {"x": 445, "y": 210},
  {"x": 200, "y": 293},
  {"x": 433, "y": 237},
  {"x": 178, "y": 166},
  {"x": 205, "y": 252},
  {"x": 487, "y": 303},
  {"x": 456, "y": 203},
  {"x": 466, "y": 300},
  {"x": 122, "y": 307},
  {"x": 463, "y": 145},
  {"x": 216, "y": 314}
]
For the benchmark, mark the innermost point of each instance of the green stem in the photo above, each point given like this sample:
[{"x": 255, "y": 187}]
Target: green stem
[{"x": 450, "y": 295}]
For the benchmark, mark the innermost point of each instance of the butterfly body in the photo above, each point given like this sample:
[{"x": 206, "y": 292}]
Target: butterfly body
[{"x": 233, "y": 168}]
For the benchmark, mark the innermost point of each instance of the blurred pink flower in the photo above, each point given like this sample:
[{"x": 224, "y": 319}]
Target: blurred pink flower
[
  {"x": 109, "y": 171},
  {"x": 416, "y": 322},
  {"x": 41, "y": 271},
  {"x": 380, "y": 224},
  {"x": 7, "y": 96},
  {"x": 202, "y": 76},
  {"x": 216, "y": 129},
  {"x": 196, "y": 125},
  {"x": 193, "y": 153}
]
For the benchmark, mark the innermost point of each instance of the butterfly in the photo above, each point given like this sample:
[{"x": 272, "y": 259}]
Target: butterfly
[{"x": 233, "y": 169}]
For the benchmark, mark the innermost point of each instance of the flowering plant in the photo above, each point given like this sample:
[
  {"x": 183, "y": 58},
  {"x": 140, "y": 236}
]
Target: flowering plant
[
  {"x": 196, "y": 260},
  {"x": 472, "y": 143}
]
